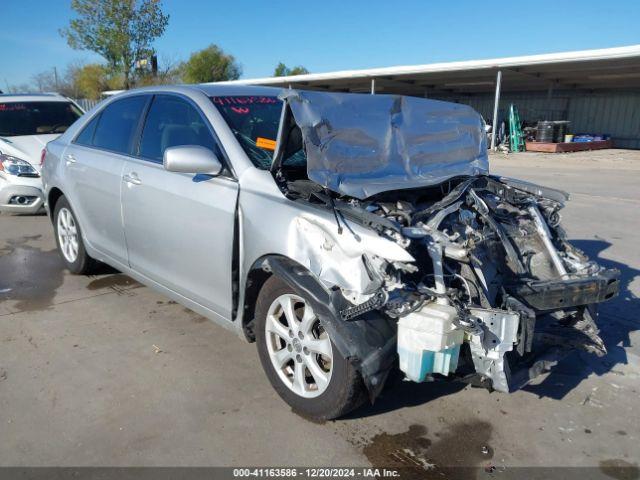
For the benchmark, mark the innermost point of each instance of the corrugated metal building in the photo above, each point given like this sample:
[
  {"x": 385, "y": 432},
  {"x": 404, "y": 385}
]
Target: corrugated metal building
[
  {"x": 616, "y": 113},
  {"x": 597, "y": 90}
]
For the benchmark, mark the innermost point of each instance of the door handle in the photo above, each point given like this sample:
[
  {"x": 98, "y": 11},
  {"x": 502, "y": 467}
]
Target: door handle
[
  {"x": 132, "y": 178},
  {"x": 70, "y": 158}
]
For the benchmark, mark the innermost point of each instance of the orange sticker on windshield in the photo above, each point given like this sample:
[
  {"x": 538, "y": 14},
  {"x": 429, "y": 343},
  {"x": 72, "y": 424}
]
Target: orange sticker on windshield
[{"x": 265, "y": 143}]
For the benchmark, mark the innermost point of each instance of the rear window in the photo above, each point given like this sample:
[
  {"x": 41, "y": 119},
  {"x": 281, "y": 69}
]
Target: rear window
[
  {"x": 254, "y": 121},
  {"x": 36, "y": 118}
]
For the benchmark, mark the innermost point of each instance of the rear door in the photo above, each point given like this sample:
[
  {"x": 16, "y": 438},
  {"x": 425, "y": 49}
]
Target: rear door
[
  {"x": 180, "y": 227},
  {"x": 94, "y": 163}
]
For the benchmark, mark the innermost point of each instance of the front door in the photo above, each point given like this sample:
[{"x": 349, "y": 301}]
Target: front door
[{"x": 180, "y": 227}]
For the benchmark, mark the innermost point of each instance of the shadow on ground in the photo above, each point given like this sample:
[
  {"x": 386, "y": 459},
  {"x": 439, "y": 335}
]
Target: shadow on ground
[
  {"x": 399, "y": 394},
  {"x": 617, "y": 319}
]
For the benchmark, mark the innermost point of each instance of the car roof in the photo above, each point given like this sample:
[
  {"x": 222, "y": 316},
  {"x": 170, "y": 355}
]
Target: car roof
[
  {"x": 209, "y": 89},
  {"x": 32, "y": 97},
  {"x": 213, "y": 89}
]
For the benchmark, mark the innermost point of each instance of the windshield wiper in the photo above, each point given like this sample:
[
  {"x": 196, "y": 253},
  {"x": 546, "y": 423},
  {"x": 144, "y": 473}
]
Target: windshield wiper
[{"x": 335, "y": 211}]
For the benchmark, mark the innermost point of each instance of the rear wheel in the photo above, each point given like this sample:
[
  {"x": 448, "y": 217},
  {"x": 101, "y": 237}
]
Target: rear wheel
[
  {"x": 299, "y": 357},
  {"x": 69, "y": 239}
]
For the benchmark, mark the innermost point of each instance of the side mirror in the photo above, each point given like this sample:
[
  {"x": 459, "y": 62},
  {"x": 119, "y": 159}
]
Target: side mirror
[{"x": 191, "y": 159}]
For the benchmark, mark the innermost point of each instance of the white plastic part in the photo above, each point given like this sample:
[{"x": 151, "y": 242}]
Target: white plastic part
[{"x": 429, "y": 342}]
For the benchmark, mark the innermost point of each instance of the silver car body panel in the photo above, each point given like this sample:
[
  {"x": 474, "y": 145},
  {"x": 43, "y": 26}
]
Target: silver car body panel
[
  {"x": 93, "y": 184},
  {"x": 275, "y": 225},
  {"x": 117, "y": 218},
  {"x": 360, "y": 145},
  {"x": 167, "y": 213}
]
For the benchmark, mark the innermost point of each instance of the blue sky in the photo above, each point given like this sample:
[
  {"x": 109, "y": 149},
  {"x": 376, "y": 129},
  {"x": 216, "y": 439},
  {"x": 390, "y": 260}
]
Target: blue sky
[{"x": 331, "y": 35}]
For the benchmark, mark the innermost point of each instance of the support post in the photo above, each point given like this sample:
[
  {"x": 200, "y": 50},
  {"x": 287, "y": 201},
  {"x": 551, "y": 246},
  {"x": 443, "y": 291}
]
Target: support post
[
  {"x": 373, "y": 86},
  {"x": 494, "y": 130},
  {"x": 551, "y": 114}
]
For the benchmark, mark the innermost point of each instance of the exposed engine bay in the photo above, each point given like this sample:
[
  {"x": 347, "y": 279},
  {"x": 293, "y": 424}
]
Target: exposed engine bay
[
  {"x": 481, "y": 284},
  {"x": 495, "y": 292}
]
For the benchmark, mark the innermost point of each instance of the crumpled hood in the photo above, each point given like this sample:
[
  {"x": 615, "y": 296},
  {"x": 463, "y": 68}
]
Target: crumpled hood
[
  {"x": 360, "y": 145},
  {"x": 26, "y": 147}
]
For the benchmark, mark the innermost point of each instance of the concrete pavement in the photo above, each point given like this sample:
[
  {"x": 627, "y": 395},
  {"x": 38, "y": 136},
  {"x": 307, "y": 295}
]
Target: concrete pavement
[{"x": 102, "y": 371}]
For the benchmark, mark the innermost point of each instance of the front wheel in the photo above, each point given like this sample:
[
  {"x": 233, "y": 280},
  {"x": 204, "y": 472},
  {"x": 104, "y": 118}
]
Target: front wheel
[
  {"x": 299, "y": 357},
  {"x": 69, "y": 239}
]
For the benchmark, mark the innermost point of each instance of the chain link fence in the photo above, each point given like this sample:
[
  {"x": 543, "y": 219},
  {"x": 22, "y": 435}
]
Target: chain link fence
[{"x": 85, "y": 103}]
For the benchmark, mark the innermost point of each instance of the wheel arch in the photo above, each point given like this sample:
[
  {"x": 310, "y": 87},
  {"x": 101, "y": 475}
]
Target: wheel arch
[
  {"x": 52, "y": 198},
  {"x": 369, "y": 341},
  {"x": 257, "y": 276}
]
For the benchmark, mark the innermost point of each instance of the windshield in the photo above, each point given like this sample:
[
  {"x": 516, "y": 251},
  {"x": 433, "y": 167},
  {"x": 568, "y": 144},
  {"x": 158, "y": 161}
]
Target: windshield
[
  {"x": 254, "y": 121},
  {"x": 36, "y": 118}
]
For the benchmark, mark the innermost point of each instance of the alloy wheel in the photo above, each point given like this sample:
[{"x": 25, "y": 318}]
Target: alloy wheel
[
  {"x": 68, "y": 235},
  {"x": 299, "y": 348}
]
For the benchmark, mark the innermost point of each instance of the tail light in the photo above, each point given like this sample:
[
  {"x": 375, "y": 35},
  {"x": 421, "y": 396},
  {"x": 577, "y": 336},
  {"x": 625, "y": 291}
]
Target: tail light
[{"x": 42, "y": 155}]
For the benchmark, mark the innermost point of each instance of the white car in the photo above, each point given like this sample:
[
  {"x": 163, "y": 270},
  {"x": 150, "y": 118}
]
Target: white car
[{"x": 27, "y": 123}]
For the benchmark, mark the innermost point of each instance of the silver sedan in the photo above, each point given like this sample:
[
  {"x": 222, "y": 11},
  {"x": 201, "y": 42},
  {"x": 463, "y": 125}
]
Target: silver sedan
[{"x": 350, "y": 236}]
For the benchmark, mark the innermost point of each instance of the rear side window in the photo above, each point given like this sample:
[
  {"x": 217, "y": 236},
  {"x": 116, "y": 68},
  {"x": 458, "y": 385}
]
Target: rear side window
[
  {"x": 118, "y": 123},
  {"x": 172, "y": 122},
  {"x": 86, "y": 136}
]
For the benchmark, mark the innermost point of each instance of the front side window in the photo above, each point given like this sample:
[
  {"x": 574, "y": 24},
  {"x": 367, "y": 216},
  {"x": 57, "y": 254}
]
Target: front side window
[
  {"x": 36, "y": 118},
  {"x": 172, "y": 122},
  {"x": 117, "y": 125}
]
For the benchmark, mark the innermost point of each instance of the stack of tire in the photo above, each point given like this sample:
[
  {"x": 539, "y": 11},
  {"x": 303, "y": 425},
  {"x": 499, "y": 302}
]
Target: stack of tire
[
  {"x": 545, "y": 132},
  {"x": 550, "y": 131}
]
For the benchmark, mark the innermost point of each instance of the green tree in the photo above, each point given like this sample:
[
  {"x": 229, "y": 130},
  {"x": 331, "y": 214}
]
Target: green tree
[
  {"x": 282, "y": 70},
  {"x": 121, "y": 31},
  {"x": 91, "y": 80},
  {"x": 210, "y": 64},
  {"x": 298, "y": 70}
]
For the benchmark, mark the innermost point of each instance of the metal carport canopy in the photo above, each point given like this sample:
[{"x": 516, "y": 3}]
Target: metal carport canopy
[{"x": 610, "y": 68}]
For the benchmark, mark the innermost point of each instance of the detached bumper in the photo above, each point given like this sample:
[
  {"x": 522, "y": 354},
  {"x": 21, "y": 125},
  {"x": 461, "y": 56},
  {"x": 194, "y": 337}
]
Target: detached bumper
[{"x": 21, "y": 196}]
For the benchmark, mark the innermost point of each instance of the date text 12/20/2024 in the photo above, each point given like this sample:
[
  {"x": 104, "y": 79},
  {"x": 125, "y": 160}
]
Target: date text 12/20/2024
[{"x": 303, "y": 473}]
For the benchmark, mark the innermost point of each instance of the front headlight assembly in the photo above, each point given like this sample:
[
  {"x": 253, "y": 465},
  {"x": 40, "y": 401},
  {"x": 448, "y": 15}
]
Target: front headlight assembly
[{"x": 16, "y": 166}]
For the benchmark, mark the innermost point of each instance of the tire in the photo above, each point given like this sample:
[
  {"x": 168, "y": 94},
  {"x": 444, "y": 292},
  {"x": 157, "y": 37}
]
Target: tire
[
  {"x": 341, "y": 389},
  {"x": 77, "y": 260}
]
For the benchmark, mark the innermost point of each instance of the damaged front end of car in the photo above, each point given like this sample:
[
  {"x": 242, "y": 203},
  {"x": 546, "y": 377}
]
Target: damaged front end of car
[{"x": 481, "y": 283}]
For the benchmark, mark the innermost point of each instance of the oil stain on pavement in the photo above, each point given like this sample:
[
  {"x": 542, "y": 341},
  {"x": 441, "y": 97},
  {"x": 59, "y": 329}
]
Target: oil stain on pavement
[
  {"x": 620, "y": 469},
  {"x": 118, "y": 282},
  {"x": 454, "y": 453},
  {"x": 29, "y": 275}
]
